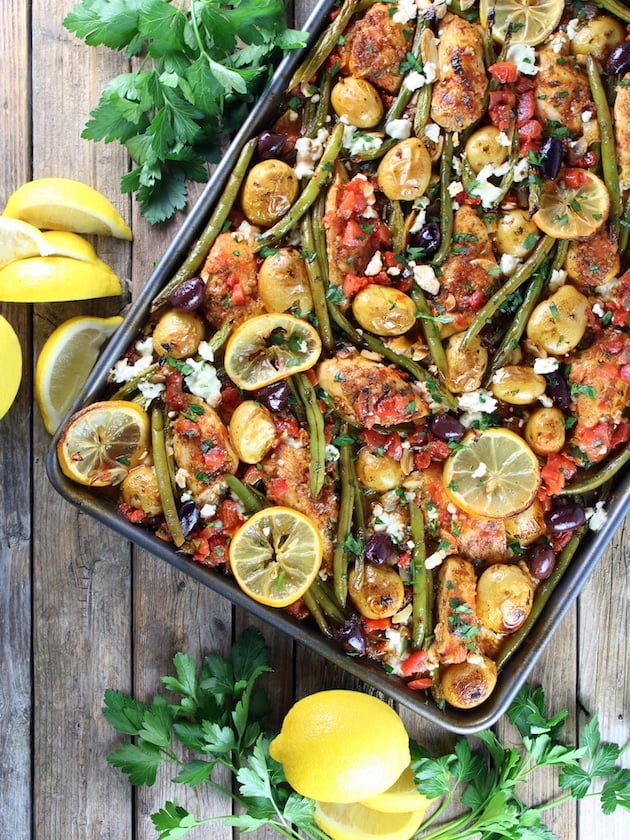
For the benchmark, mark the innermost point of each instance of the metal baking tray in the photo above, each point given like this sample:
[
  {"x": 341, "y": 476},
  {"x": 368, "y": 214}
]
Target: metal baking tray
[{"x": 519, "y": 666}]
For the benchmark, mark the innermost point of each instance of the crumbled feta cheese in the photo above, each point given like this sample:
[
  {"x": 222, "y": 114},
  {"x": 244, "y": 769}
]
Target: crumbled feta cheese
[
  {"x": 414, "y": 80},
  {"x": 545, "y": 401},
  {"x": 434, "y": 560},
  {"x": 203, "y": 382},
  {"x": 480, "y": 400},
  {"x": 420, "y": 206},
  {"x": 524, "y": 57},
  {"x": 145, "y": 347},
  {"x": 424, "y": 276},
  {"x": 508, "y": 264},
  {"x": 124, "y": 372},
  {"x": 597, "y": 310},
  {"x": 587, "y": 116},
  {"x": 150, "y": 391},
  {"x": 180, "y": 477},
  {"x": 331, "y": 453},
  {"x": 504, "y": 140},
  {"x": 572, "y": 28},
  {"x": 398, "y": 129},
  {"x": 558, "y": 278},
  {"x": 432, "y": 132},
  {"x": 208, "y": 511},
  {"x": 388, "y": 523},
  {"x": 487, "y": 192},
  {"x": 455, "y": 188},
  {"x": 596, "y": 516},
  {"x": 308, "y": 152},
  {"x": 521, "y": 170},
  {"x": 375, "y": 265},
  {"x": 547, "y": 365},
  {"x": 405, "y": 11},
  {"x": 205, "y": 351},
  {"x": 359, "y": 141}
]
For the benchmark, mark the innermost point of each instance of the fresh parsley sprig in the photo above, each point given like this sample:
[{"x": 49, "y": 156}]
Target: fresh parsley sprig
[
  {"x": 220, "y": 720},
  {"x": 199, "y": 68}
]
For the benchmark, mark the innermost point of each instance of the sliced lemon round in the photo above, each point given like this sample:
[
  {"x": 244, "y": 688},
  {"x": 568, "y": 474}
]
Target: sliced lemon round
[
  {"x": 19, "y": 239},
  {"x": 531, "y": 20},
  {"x": 358, "y": 822},
  {"x": 65, "y": 204},
  {"x": 267, "y": 348},
  {"x": 573, "y": 212},
  {"x": 402, "y": 796},
  {"x": 66, "y": 244},
  {"x": 65, "y": 362},
  {"x": 47, "y": 279},
  {"x": 102, "y": 442},
  {"x": 493, "y": 474},
  {"x": 275, "y": 555},
  {"x": 11, "y": 355}
]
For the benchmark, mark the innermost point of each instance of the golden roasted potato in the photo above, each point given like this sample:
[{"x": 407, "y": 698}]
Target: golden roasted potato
[
  {"x": 405, "y": 170},
  {"x": 357, "y": 101},
  {"x": 178, "y": 334},
  {"x": 378, "y": 472},
  {"x": 465, "y": 685},
  {"x": 545, "y": 430},
  {"x": 252, "y": 431},
  {"x": 270, "y": 189},
  {"x": 283, "y": 282},
  {"x": 466, "y": 367},
  {"x": 380, "y": 593},
  {"x": 518, "y": 385},
  {"x": 140, "y": 491},
  {"x": 598, "y": 37},
  {"x": 516, "y": 234},
  {"x": 384, "y": 310},
  {"x": 505, "y": 594},
  {"x": 483, "y": 148},
  {"x": 559, "y": 323},
  {"x": 528, "y": 525}
]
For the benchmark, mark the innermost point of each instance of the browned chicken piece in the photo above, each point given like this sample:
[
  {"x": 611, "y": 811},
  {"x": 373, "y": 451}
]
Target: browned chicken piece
[
  {"x": 230, "y": 275},
  {"x": 375, "y": 46},
  {"x": 562, "y": 92},
  {"x": 601, "y": 395},
  {"x": 457, "y": 99},
  {"x": 285, "y": 473},
  {"x": 369, "y": 393},
  {"x": 621, "y": 116},
  {"x": 468, "y": 277},
  {"x": 593, "y": 262},
  {"x": 457, "y": 627}
]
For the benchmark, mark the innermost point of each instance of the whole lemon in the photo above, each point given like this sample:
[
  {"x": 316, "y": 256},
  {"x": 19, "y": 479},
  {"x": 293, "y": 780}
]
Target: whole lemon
[{"x": 341, "y": 746}]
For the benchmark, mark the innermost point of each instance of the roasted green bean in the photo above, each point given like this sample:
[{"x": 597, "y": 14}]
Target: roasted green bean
[
  {"x": 610, "y": 168},
  {"x": 617, "y": 8},
  {"x": 421, "y": 594},
  {"x": 431, "y": 330},
  {"x": 252, "y": 500},
  {"x": 315, "y": 423},
  {"x": 162, "y": 473},
  {"x": 344, "y": 523},
  {"x": 324, "y": 46},
  {"x": 446, "y": 202},
  {"x": 312, "y": 605},
  {"x": 316, "y": 283},
  {"x": 601, "y": 476}
]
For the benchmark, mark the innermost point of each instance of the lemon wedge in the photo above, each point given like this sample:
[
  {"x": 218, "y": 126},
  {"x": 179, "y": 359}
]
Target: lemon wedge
[
  {"x": 19, "y": 239},
  {"x": 65, "y": 362},
  {"x": 11, "y": 355},
  {"x": 65, "y": 204},
  {"x": 531, "y": 20},
  {"x": 402, "y": 796},
  {"x": 66, "y": 244},
  {"x": 358, "y": 822},
  {"x": 46, "y": 279}
]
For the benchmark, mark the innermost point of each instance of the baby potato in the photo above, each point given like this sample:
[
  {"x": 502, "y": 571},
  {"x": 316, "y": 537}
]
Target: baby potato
[
  {"x": 484, "y": 149},
  {"x": 357, "y": 101},
  {"x": 465, "y": 685},
  {"x": 466, "y": 367},
  {"x": 384, "y": 310},
  {"x": 178, "y": 333},
  {"x": 559, "y": 323},
  {"x": 518, "y": 385},
  {"x": 516, "y": 234},
  {"x": 405, "y": 170},
  {"x": 505, "y": 593},
  {"x": 270, "y": 189},
  {"x": 378, "y": 472},
  {"x": 252, "y": 431},
  {"x": 139, "y": 490},
  {"x": 598, "y": 37},
  {"x": 380, "y": 593},
  {"x": 528, "y": 525},
  {"x": 545, "y": 431},
  {"x": 283, "y": 282}
]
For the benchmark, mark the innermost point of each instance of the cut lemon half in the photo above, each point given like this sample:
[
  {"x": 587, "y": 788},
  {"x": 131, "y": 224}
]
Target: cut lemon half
[
  {"x": 103, "y": 441},
  {"x": 402, "y": 796},
  {"x": 65, "y": 362},
  {"x": 47, "y": 279},
  {"x": 358, "y": 822},
  {"x": 275, "y": 556},
  {"x": 532, "y": 20},
  {"x": 18, "y": 240},
  {"x": 66, "y": 244},
  {"x": 11, "y": 355},
  {"x": 65, "y": 204},
  {"x": 573, "y": 212},
  {"x": 493, "y": 474},
  {"x": 267, "y": 348}
]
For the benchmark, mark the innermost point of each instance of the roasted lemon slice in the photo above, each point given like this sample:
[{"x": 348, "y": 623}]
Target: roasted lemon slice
[
  {"x": 532, "y": 20},
  {"x": 575, "y": 208}
]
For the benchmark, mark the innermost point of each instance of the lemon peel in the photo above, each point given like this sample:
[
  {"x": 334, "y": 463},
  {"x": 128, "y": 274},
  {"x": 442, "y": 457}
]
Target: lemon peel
[
  {"x": 19, "y": 240},
  {"x": 356, "y": 821},
  {"x": 11, "y": 355},
  {"x": 48, "y": 279},
  {"x": 64, "y": 243}
]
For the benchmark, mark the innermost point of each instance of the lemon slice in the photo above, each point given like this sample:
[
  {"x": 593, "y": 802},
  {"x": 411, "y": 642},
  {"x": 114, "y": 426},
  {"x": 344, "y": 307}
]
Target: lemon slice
[
  {"x": 358, "y": 822},
  {"x": 573, "y": 212},
  {"x": 493, "y": 474},
  {"x": 46, "y": 279},
  {"x": 532, "y": 20},
  {"x": 267, "y": 348},
  {"x": 66, "y": 244},
  {"x": 103, "y": 441},
  {"x": 18, "y": 240},
  {"x": 275, "y": 556},
  {"x": 11, "y": 355},
  {"x": 64, "y": 204},
  {"x": 402, "y": 796},
  {"x": 63, "y": 366}
]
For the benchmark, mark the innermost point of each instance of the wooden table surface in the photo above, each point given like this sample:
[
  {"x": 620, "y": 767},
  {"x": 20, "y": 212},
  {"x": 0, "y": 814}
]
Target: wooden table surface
[{"x": 82, "y": 611}]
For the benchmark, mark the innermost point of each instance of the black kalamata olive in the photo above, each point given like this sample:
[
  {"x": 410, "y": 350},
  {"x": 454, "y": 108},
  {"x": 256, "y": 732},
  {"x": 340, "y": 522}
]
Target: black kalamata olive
[
  {"x": 275, "y": 396},
  {"x": 378, "y": 549},
  {"x": 551, "y": 158},
  {"x": 270, "y": 144},
  {"x": 189, "y": 295},
  {"x": 188, "y": 517},
  {"x": 447, "y": 428},
  {"x": 559, "y": 391},
  {"x": 352, "y": 638},
  {"x": 565, "y": 518},
  {"x": 619, "y": 60},
  {"x": 427, "y": 239},
  {"x": 542, "y": 561}
]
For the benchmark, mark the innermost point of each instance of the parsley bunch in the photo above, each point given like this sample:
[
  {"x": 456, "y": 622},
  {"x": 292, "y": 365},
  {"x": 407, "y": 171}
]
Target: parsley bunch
[
  {"x": 220, "y": 721},
  {"x": 200, "y": 67}
]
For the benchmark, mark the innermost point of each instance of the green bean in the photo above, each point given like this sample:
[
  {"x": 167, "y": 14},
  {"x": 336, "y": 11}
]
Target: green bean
[
  {"x": 220, "y": 337},
  {"x": 419, "y": 579},
  {"x": 600, "y": 476},
  {"x": 324, "y": 46},
  {"x": 316, "y": 611},
  {"x": 251, "y": 498},
  {"x": 423, "y": 110},
  {"x": 327, "y": 601},
  {"x": 320, "y": 114},
  {"x": 512, "y": 336},
  {"x": 615, "y": 7},
  {"x": 396, "y": 223},
  {"x": 525, "y": 270},
  {"x": 344, "y": 523},
  {"x": 316, "y": 283},
  {"x": 127, "y": 388},
  {"x": 308, "y": 195},
  {"x": 446, "y": 202},
  {"x": 624, "y": 233},
  {"x": 215, "y": 224},
  {"x": 608, "y": 150},
  {"x": 315, "y": 423},
  {"x": 319, "y": 235},
  {"x": 431, "y": 330},
  {"x": 545, "y": 590},
  {"x": 404, "y": 94},
  {"x": 162, "y": 473}
]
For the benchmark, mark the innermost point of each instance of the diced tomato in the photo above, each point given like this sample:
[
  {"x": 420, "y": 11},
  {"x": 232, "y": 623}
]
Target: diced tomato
[
  {"x": 505, "y": 72},
  {"x": 230, "y": 397},
  {"x": 420, "y": 683},
  {"x": 237, "y": 295},
  {"x": 353, "y": 200},
  {"x": 373, "y": 624},
  {"x": 214, "y": 458},
  {"x": 575, "y": 178},
  {"x": 174, "y": 394},
  {"x": 595, "y": 438},
  {"x": 132, "y": 514},
  {"x": 287, "y": 425},
  {"x": 230, "y": 516},
  {"x": 404, "y": 560},
  {"x": 530, "y": 135},
  {"x": 278, "y": 487},
  {"x": 475, "y": 300},
  {"x": 620, "y": 434},
  {"x": 415, "y": 663},
  {"x": 500, "y": 109},
  {"x": 556, "y": 471},
  {"x": 184, "y": 426},
  {"x": 210, "y": 547},
  {"x": 392, "y": 443},
  {"x": 438, "y": 450},
  {"x": 421, "y": 460},
  {"x": 526, "y": 107},
  {"x": 392, "y": 409},
  {"x": 298, "y": 610},
  {"x": 352, "y": 284}
]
